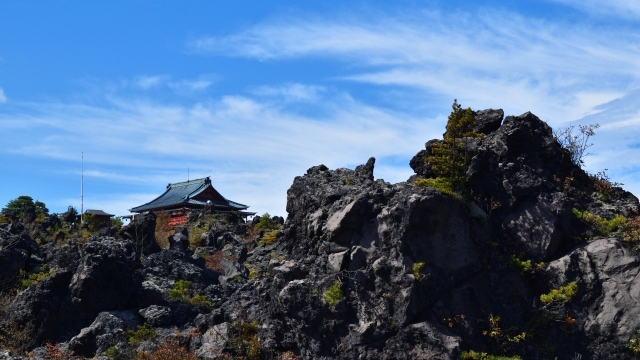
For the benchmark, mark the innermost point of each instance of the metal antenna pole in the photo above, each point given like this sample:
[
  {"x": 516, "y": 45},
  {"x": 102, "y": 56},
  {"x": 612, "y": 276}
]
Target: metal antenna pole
[{"x": 82, "y": 193}]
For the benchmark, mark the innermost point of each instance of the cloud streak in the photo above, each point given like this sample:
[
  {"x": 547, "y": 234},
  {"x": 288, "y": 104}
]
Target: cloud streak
[
  {"x": 626, "y": 9},
  {"x": 263, "y": 143},
  {"x": 562, "y": 71},
  {"x": 483, "y": 58}
]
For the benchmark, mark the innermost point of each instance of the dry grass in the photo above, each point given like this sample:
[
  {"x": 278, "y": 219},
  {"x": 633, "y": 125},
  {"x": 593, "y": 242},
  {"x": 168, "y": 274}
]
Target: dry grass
[
  {"x": 169, "y": 350},
  {"x": 163, "y": 229},
  {"x": 213, "y": 261},
  {"x": 16, "y": 338}
]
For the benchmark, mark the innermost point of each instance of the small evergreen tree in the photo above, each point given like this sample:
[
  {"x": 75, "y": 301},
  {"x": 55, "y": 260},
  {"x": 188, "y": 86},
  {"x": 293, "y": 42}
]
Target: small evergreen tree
[
  {"x": 451, "y": 157},
  {"x": 266, "y": 223},
  {"x": 18, "y": 205}
]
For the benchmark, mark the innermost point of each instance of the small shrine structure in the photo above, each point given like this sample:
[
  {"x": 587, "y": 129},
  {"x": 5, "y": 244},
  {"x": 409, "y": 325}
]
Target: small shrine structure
[{"x": 101, "y": 217}]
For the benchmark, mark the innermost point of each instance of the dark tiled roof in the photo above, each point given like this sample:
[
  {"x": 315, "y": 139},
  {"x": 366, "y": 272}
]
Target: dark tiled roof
[
  {"x": 97, "y": 212},
  {"x": 182, "y": 194}
]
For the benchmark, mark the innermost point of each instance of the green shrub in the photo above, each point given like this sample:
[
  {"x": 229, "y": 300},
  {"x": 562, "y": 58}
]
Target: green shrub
[
  {"x": 603, "y": 226},
  {"x": 270, "y": 237},
  {"x": 634, "y": 344},
  {"x": 266, "y": 223},
  {"x": 117, "y": 222},
  {"x": 417, "y": 268},
  {"x": 562, "y": 295},
  {"x": 446, "y": 185},
  {"x": 18, "y": 205},
  {"x": 524, "y": 266},
  {"x": 91, "y": 222},
  {"x": 451, "y": 157},
  {"x": 196, "y": 238},
  {"x": 243, "y": 338},
  {"x": 334, "y": 294},
  {"x": 473, "y": 355},
  {"x": 181, "y": 292},
  {"x": 28, "y": 279},
  {"x": 112, "y": 352},
  {"x": 142, "y": 333}
]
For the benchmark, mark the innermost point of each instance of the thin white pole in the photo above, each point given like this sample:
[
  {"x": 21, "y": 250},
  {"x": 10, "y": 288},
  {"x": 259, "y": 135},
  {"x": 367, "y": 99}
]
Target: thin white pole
[{"x": 82, "y": 193}]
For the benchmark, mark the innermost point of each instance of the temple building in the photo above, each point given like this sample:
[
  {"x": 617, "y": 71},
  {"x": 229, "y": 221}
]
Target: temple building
[
  {"x": 183, "y": 197},
  {"x": 101, "y": 217}
]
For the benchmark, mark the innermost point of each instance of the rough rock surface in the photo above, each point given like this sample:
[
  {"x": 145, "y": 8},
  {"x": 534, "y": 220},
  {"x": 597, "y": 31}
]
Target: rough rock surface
[
  {"x": 16, "y": 249},
  {"x": 141, "y": 232},
  {"x": 421, "y": 274}
]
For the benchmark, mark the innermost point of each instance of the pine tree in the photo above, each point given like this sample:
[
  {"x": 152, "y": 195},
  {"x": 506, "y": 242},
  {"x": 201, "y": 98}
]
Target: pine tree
[{"x": 451, "y": 157}]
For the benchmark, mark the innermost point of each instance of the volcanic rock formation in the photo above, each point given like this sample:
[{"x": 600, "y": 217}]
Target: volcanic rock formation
[{"x": 361, "y": 269}]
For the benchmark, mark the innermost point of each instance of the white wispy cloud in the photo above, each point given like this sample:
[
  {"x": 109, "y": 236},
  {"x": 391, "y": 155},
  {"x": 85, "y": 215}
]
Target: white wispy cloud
[
  {"x": 627, "y": 9},
  {"x": 149, "y": 82},
  {"x": 249, "y": 145},
  {"x": 563, "y": 71},
  {"x": 253, "y": 144},
  {"x": 3, "y": 97},
  {"x": 186, "y": 87},
  {"x": 489, "y": 59},
  {"x": 292, "y": 92}
]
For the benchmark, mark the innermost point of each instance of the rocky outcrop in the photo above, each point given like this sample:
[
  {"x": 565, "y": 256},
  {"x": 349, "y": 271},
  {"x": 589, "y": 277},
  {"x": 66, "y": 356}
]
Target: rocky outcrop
[
  {"x": 141, "y": 232},
  {"x": 364, "y": 269},
  {"x": 16, "y": 249}
]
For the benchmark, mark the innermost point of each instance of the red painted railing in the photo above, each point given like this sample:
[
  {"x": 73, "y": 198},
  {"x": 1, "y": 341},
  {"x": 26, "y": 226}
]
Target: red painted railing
[{"x": 178, "y": 220}]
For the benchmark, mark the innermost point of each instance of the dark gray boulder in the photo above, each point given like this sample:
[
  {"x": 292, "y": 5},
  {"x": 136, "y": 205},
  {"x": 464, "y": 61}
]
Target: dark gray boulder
[
  {"x": 105, "y": 331},
  {"x": 105, "y": 278},
  {"x": 156, "y": 315},
  {"x": 16, "y": 249},
  {"x": 179, "y": 241},
  {"x": 419, "y": 162},
  {"x": 488, "y": 121},
  {"x": 141, "y": 232}
]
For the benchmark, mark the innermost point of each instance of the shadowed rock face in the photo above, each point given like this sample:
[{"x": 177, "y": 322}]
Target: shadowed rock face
[
  {"x": 422, "y": 275},
  {"x": 15, "y": 250},
  {"x": 141, "y": 232}
]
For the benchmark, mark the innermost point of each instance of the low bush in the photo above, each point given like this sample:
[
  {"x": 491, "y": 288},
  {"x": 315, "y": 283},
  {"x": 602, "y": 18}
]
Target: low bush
[
  {"x": 55, "y": 353},
  {"x": 473, "y": 355},
  {"x": 270, "y": 237},
  {"x": 417, "y": 268},
  {"x": 634, "y": 344},
  {"x": 243, "y": 338},
  {"x": 142, "y": 333},
  {"x": 602, "y": 184},
  {"x": 266, "y": 223},
  {"x": 562, "y": 295},
  {"x": 505, "y": 339},
  {"x": 443, "y": 184},
  {"x": 524, "y": 266},
  {"x": 28, "y": 279},
  {"x": 603, "y": 226},
  {"x": 632, "y": 232},
  {"x": 213, "y": 261},
  {"x": 171, "y": 349},
  {"x": 163, "y": 229},
  {"x": 183, "y": 293},
  {"x": 334, "y": 294}
]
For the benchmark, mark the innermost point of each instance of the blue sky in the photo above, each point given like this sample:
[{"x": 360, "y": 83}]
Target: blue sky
[{"x": 253, "y": 93}]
